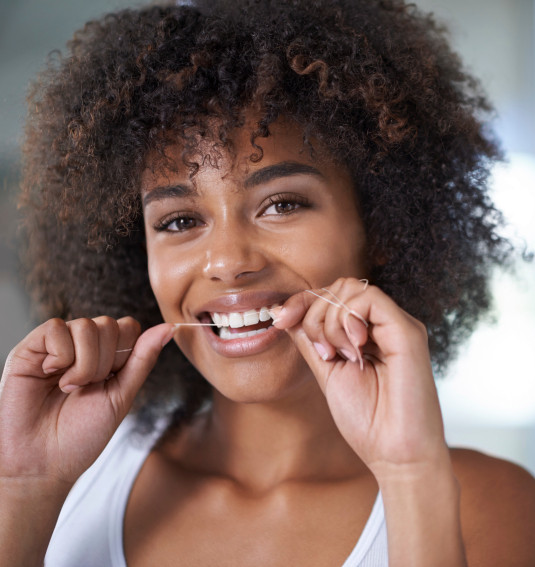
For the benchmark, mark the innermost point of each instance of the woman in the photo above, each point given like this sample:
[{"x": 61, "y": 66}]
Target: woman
[{"x": 244, "y": 171}]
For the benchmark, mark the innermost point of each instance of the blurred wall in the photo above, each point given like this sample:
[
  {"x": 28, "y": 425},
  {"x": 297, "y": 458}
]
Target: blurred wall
[{"x": 488, "y": 400}]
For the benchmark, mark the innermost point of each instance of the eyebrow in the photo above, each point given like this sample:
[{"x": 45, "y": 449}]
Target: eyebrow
[
  {"x": 169, "y": 192},
  {"x": 264, "y": 175},
  {"x": 283, "y": 169}
]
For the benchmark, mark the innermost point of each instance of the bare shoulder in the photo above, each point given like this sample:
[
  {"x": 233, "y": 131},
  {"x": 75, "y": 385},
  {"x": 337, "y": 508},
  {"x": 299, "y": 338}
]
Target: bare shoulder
[{"x": 497, "y": 510}]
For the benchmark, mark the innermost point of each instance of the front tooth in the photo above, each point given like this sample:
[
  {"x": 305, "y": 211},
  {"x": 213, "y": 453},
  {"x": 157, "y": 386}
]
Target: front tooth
[
  {"x": 217, "y": 319},
  {"x": 242, "y": 335},
  {"x": 250, "y": 317},
  {"x": 224, "y": 319},
  {"x": 264, "y": 314},
  {"x": 236, "y": 320},
  {"x": 225, "y": 333}
]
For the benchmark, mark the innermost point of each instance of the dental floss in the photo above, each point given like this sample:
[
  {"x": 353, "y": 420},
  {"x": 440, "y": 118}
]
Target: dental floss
[
  {"x": 324, "y": 298},
  {"x": 342, "y": 304},
  {"x": 346, "y": 315},
  {"x": 177, "y": 325},
  {"x": 339, "y": 305}
]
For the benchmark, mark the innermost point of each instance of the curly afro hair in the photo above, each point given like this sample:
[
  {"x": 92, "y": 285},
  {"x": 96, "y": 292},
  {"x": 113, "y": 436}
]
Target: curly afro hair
[{"x": 373, "y": 81}]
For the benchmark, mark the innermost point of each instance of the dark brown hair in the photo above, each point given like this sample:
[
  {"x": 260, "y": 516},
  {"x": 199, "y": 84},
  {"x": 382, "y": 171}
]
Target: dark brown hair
[{"x": 373, "y": 81}]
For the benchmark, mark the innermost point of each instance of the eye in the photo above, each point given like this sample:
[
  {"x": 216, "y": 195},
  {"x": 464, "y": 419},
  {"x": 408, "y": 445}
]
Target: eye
[
  {"x": 285, "y": 204},
  {"x": 180, "y": 223}
]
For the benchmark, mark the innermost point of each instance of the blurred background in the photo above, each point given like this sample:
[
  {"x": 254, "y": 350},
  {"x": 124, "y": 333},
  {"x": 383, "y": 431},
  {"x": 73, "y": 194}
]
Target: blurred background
[{"x": 488, "y": 397}]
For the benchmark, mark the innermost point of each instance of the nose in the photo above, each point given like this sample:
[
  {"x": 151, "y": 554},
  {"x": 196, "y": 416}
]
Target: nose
[{"x": 232, "y": 253}]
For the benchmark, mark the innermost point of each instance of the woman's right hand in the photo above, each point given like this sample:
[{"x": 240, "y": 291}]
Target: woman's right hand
[{"x": 59, "y": 406}]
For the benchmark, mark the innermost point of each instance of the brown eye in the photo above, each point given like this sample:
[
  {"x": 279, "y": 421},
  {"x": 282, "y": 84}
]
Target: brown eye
[
  {"x": 282, "y": 208},
  {"x": 182, "y": 223},
  {"x": 282, "y": 204}
]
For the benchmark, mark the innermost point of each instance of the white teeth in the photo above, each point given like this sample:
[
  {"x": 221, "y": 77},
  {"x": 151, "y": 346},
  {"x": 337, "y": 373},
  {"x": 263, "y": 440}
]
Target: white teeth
[
  {"x": 236, "y": 320},
  {"x": 226, "y": 335},
  {"x": 250, "y": 318},
  {"x": 264, "y": 314},
  {"x": 217, "y": 319}
]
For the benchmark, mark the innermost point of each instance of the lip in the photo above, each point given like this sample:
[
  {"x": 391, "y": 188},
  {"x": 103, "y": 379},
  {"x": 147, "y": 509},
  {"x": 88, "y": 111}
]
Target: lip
[
  {"x": 234, "y": 348},
  {"x": 237, "y": 303},
  {"x": 241, "y": 302}
]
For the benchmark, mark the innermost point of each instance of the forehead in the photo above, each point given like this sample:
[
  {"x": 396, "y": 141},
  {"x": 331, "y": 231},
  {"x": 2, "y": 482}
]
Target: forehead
[{"x": 238, "y": 163}]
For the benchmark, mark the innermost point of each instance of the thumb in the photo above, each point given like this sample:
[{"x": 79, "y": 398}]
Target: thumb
[
  {"x": 319, "y": 367},
  {"x": 125, "y": 385}
]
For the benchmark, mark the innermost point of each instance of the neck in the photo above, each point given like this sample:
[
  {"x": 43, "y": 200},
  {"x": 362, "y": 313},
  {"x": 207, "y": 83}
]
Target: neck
[{"x": 262, "y": 445}]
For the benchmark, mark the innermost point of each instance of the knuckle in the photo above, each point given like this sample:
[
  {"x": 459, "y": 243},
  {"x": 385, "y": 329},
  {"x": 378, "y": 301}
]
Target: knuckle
[
  {"x": 54, "y": 325},
  {"x": 339, "y": 283},
  {"x": 130, "y": 323},
  {"x": 373, "y": 290},
  {"x": 312, "y": 327},
  {"x": 106, "y": 321},
  {"x": 86, "y": 325},
  {"x": 144, "y": 359},
  {"x": 417, "y": 330},
  {"x": 110, "y": 325},
  {"x": 422, "y": 329}
]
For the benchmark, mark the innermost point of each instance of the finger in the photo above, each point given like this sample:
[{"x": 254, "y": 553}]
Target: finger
[
  {"x": 313, "y": 324},
  {"x": 336, "y": 334},
  {"x": 317, "y": 364},
  {"x": 46, "y": 350},
  {"x": 371, "y": 349},
  {"x": 108, "y": 333},
  {"x": 293, "y": 310},
  {"x": 59, "y": 346},
  {"x": 389, "y": 326},
  {"x": 129, "y": 332},
  {"x": 296, "y": 307},
  {"x": 124, "y": 386},
  {"x": 84, "y": 333}
]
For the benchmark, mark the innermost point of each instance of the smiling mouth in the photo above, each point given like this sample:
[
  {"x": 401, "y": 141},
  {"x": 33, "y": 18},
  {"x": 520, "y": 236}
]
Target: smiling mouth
[{"x": 240, "y": 325}]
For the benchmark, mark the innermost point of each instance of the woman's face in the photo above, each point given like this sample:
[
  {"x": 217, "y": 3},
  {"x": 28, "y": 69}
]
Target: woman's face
[{"x": 242, "y": 237}]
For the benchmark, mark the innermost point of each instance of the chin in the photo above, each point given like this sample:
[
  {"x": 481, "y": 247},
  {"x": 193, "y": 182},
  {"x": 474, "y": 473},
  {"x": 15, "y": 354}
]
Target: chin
[{"x": 252, "y": 384}]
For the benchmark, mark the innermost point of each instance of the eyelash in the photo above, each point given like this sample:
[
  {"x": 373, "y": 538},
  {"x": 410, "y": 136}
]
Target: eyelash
[
  {"x": 289, "y": 199},
  {"x": 164, "y": 225}
]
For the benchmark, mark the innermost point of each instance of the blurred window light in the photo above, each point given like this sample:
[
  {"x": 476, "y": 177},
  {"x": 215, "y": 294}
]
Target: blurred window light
[{"x": 493, "y": 381}]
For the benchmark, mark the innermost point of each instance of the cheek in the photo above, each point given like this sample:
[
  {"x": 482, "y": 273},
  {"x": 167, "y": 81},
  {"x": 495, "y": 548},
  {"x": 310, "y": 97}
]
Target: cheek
[
  {"x": 169, "y": 278},
  {"x": 327, "y": 251}
]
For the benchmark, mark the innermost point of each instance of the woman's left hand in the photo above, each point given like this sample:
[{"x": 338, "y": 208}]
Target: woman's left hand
[{"x": 388, "y": 411}]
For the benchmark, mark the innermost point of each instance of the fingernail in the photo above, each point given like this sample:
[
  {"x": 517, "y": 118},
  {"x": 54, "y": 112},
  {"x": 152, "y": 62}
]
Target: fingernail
[
  {"x": 349, "y": 355},
  {"x": 280, "y": 313},
  {"x": 68, "y": 388},
  {"x": 50, "y": 370},
  {"x": 169, "y": 335},
  {"x": 321, "y": 350}
]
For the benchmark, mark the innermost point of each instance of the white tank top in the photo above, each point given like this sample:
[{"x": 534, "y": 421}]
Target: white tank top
[{"x": 89, "y": 531}]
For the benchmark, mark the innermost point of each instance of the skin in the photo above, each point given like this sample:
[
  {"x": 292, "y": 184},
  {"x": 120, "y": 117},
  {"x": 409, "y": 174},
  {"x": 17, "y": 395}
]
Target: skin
[{"x": 295, "y": 446}]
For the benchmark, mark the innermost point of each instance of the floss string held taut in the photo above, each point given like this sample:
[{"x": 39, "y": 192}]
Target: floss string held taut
[
  {"x": 339, "y": 305},
  {"x": 342, "y": 305},
  {"x": 177, "y": 325}
]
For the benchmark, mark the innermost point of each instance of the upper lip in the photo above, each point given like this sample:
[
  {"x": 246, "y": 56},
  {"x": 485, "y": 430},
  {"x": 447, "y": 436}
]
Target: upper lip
[{"x": 241, "y": 302}]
